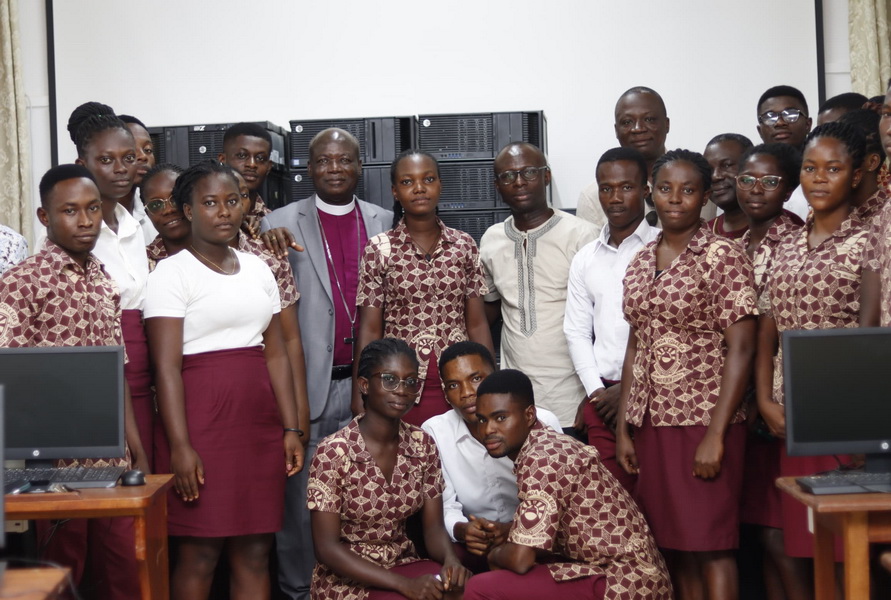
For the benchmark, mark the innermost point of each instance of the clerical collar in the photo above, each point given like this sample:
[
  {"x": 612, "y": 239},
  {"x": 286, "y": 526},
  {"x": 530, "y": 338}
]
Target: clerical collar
[{"x": 335, "y": 209}]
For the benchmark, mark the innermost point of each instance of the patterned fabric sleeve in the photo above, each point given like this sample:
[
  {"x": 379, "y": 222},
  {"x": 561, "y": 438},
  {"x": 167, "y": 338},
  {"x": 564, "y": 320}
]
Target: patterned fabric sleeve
[
  {"x": 286, "y": 286},
  {"x": 323, "y": 492},
  {"x": 15, "y": 309},
  {"x": 434, "y": 484},
  {"x": 872, "y": 253},
  {"x": 476, "y": 279},
  {"x": 372, "y": 272},
  {"x": 537, "y": 519},
  {"x": 732, "y": 282}
]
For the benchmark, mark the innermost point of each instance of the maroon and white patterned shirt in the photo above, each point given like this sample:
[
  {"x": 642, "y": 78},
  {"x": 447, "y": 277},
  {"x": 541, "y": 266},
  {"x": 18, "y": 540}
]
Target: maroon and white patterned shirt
[
  {"x": 571, "y": 506},
  {"x": 156, "y": 252},
  {"x": 877, "y": 258},
  {"x": 873, "y": 205},
  {"x": 679, "y": 319},
  {"x": 423, "y": 300},
  {"x": 782, "y": 226},
  {"x": 816, "y": 288},
  {"x": 260, "y": 209},
  {"x": 344, "y": 479},
  {"x": 49, "y": 300},
  {"x": 281, "y": 269}
]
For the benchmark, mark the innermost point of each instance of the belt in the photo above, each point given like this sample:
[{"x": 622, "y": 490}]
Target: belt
[{"x": 339, "y": 372}]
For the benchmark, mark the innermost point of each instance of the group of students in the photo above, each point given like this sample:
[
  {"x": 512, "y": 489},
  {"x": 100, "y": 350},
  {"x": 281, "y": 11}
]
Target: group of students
[{"x": 684, "y": 431}]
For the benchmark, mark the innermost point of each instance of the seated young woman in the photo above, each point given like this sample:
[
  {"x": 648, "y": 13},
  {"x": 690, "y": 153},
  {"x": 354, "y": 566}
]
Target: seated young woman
[{"x": 366, "y": 480}]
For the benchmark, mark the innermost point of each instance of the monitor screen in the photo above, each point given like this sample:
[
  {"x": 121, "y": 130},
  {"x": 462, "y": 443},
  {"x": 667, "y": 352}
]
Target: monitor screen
[
  {"x": 63, "y": 402},
  {"x": 838, "y": 400}
]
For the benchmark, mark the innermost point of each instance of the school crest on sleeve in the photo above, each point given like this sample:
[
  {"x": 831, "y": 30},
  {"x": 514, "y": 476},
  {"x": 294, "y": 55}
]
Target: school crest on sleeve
[{"x": 533, "y": 520}]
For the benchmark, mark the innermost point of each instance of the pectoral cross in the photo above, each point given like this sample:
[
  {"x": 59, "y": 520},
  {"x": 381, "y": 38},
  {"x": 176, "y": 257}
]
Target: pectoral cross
[{"x": 352, "y": 339}]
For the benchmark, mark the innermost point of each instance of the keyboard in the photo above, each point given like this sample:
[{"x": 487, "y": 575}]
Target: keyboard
[
  {"x": 846, "y": 482},
  {"x": 73, "y": 477}
]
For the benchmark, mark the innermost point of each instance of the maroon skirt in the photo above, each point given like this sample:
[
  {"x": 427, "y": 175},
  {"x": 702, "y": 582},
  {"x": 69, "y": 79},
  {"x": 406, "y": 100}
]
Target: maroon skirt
[
  {"x": 688, "y": 513},
  {"x": 235, "y": 427},
  {"x": 138, "y": 373},
  {"x": 799, "y": 541},
  {"x": 432, "y": 402},
  {"x": 760, "y": 502}
]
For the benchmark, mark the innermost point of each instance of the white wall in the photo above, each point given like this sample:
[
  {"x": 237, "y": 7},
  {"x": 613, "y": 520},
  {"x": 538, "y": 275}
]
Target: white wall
[{"x": 173, "y": 62}]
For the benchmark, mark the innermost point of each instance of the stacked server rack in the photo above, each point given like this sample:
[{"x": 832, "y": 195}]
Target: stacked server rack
[
  {"x": 185, "y": 145},
  {"x": 381, "y": 140},
  {"x": 466, "y": 146}
]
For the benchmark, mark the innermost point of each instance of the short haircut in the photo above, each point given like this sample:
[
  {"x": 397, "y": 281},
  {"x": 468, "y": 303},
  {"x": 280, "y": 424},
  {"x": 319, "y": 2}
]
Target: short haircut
[
  {"x": 867, "y": 121},
  {"x": 846, "y": 101},
  {"x": 642, "y": 89},
  {"x": 629, "y": 154},
  {"x": 58, "y": 174},
  {"x": 82, "y": 113},
  {"x": 317, "y": 138},
  {"x": 188, "y": 179},
  {"x": 93, "y": 126},
  {"x": 466, "y": 348},
  {"x": 744, "y": 142},
  {"x": 247, "y": 129},
  {"x": 694, "y": 158},
  {"x": 846, "y": 134},
  {"x": 374, "y": 354},
  {"x": 131, "y": 120},
  {"x": 782, "y": 90},
  {"x": 157, "y": 170},
  {"x": 788, "y": 158},
  {"x": 509, "y": 381}
]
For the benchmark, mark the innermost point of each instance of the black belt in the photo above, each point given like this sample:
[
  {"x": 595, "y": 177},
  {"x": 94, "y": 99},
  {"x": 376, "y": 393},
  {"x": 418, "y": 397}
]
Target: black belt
[{"x": 339, "y": 372}]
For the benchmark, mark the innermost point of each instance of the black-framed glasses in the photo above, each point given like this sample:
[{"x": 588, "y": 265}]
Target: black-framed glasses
[
  {"x": 156, "y": 205},
  {"x": 529, "y": 174},
  {"x": 789, "y": 115},
  {"x": 391, "y": 383},
  {"x": 768, "y": 182}
]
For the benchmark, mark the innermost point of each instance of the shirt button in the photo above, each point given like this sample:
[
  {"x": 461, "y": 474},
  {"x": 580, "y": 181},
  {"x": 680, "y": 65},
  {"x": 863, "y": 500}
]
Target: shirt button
[{"x": 329, "y": 347}]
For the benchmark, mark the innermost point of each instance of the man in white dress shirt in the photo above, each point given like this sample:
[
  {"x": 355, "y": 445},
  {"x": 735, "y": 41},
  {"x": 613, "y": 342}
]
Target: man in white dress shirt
[
  {"x": 480, "y": 496},
  {"x": 594, "y": 324}
]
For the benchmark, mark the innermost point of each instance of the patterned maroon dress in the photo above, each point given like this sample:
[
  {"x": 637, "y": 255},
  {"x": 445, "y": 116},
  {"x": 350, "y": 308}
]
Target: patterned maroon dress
[
  {"x": 679, "y": 318},
  {"x": 815, "y": 288},
  {"x": 344, "y": 479},
  {"x": 877, "y": 258},
  {"x": 423, "y": 300}
]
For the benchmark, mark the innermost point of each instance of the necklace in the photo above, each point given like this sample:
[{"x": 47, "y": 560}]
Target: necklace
[
  {"x": 428, "y": 253},
  {"x": 346, "y": 307},
  {"x": 218, "y": 267}
]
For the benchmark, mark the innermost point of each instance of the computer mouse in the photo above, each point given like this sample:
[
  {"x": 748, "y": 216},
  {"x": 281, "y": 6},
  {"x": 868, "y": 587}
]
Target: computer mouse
[{"x": 134, "y": 477}]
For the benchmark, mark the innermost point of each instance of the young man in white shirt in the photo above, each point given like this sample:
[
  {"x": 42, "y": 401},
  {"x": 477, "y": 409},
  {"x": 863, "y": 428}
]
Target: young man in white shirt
[
  {"x": 480, "y": 496},
  {"x": 594, "y": 323}
]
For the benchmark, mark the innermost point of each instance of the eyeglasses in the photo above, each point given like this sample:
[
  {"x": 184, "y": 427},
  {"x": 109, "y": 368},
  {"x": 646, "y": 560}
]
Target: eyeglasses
[
  {"x": 529, "y": 174},
  {"x": 156, "y": 205},
  {"x": 768, "y": 182},
  {"x": 789, "y": 115},
  {"x": 391, "y": 383}
]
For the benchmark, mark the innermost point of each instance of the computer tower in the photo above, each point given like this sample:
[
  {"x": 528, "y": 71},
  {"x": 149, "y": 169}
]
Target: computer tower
[
  {"x": 474, "y": 222},
  {"x": 186, "y": 145},
  {"x": 468, "y": 185},
  {"x": 479, "y": 135},
  {"x": 381, "y": 139}
]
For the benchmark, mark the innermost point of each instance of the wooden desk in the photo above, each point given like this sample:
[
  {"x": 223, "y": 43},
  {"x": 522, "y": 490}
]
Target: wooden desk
[
  {"x": 858, "y": 519},
  {"x": 147, "y": 504},
  {"x": 33, "y": 584}
]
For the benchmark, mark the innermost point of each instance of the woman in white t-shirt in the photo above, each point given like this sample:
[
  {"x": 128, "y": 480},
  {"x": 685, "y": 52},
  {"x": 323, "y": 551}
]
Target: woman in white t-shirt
[{"x": 225, "y": 393}]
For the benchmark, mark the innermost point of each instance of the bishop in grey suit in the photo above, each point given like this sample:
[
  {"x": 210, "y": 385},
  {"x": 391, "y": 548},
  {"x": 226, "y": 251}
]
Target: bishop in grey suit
[{"x": 332, "y": 226}]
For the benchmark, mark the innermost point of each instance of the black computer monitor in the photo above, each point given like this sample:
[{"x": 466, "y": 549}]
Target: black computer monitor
[
  {"x": 838, "y": 393},
  {"x": 63, "y": 402}
]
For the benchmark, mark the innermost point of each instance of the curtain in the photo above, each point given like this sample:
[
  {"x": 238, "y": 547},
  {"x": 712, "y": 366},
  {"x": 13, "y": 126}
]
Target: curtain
[
  {"x": 15, "y": 203},
  {"x": 870, "y": 46}
]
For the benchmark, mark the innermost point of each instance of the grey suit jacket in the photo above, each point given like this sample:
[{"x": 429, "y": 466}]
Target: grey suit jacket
[{"x": 315, "y": 309}]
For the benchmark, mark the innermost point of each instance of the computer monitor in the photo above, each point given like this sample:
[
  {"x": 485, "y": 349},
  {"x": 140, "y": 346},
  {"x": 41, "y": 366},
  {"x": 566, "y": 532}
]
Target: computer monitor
[
  {"x": 63, "y": 402},
  {"x": 838, "y": 393}
]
